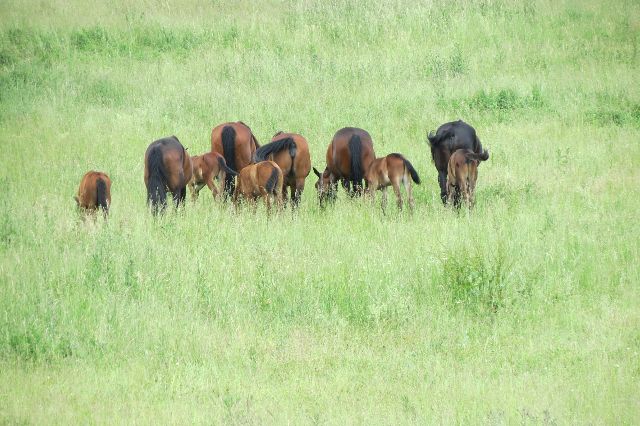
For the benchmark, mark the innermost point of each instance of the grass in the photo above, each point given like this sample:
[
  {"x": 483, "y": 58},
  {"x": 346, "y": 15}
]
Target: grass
[{"x": 523, "y": 311}]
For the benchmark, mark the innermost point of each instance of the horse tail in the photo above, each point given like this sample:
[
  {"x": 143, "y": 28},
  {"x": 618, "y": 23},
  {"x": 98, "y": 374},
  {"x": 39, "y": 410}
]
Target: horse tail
[
  {"x": 223, "y": 166},
  {"x": 229, "y": 153},
  {"x": 272, "y": 181},
  {"x": 156, "y": 186},
  {"x": 476, "y": 156},
  {"x": 412, "y": 171},
  {"x": 101, "y": 195},
  {"x": 483, "y": 153},
  {"x": 271, "y": 148},
  {"x": 355, "y": 150},
  {"x": 437, "y": 139}
]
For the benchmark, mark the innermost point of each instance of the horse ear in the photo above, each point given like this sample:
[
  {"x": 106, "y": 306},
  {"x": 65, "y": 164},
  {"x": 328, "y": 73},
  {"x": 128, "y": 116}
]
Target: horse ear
[{"x": 317, "y": 172}]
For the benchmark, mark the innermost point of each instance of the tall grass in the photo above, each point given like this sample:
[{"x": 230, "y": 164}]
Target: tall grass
[{"x": 524, "y": 310}]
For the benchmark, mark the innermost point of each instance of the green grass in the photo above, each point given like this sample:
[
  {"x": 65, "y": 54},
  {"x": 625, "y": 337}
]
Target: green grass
[{"x": 523, "y": 311}]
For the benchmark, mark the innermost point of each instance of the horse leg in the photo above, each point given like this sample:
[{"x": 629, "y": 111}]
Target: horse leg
[
  {"x": 284, "y": 194},
  {"x": 357, "y": 188},
  {"x": 297, "y": 195},
  {"x": 451, "y": 189},
  {"x": 346, "y": 184},
  {"x": 407, "y": 187},
  {"x": 213, "y": 188},
  {"x": 384, "y": 199},
  {"x": 442, "y": 181},
  {"x": 396, "y": 189}
]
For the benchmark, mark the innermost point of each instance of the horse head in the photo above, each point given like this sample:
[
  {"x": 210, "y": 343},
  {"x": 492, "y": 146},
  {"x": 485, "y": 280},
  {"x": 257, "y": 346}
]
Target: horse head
[{"x": 325, "y": 185}]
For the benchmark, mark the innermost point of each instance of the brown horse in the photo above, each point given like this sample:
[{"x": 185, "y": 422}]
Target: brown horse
[
  {"x": 448, "y": 138},
  {"x": 290, "y": 151},
  {"x": 349, "y": 156},
  {"x": 237, "y": 144},
  {"x": 206, "y": 168},
  {"x": 94, "y": 193},
  {"x": 463, "y": 174},
  {"x": 262, "y": 179},
  {"x": 167, "y": 167},
  {"x": 390, "y": 171}
]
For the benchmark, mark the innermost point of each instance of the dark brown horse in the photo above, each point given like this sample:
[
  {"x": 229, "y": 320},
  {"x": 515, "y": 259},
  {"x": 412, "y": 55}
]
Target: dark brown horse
[
  {"x": 263, "y": 179},
  {"x": 391, "y": 171},
  {"x": 167, "y": 167},
  {"x": 237, "y": 144},
  {"x": 290, "y": 151},
  {"x": 206, "y": 168},
  {"x": 448, "y": 138},
  {"x": 349, "y": 156},
  {"x": 94, "y": 193},
  {"x": 463, "y": 174}
]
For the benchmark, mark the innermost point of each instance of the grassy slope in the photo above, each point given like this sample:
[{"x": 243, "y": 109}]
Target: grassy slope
[{"x": 525, "y": 311}]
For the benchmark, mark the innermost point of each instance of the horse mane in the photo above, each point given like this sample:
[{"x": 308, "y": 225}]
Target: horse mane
[
  {"x": 271, "y": 148},
  {"x": 355, "y": 150},
  {"x": 271, "y": 182}
]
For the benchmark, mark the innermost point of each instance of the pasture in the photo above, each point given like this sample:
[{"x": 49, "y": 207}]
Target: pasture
[{"x": 525, "y": 310}]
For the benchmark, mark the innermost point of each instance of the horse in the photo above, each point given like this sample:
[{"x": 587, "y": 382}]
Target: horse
[
  {"x": 167, "y": 167},
  {"x": 448, "y": 138},
  {"x": 260, "y": 179},
  {"x": 206, "y": 168},
  {"x": 237, "y": 144},
  {"x": 94, "y": 193},
  {"x": 463, "y": 174},
  {"x": 390, "y": 171},
  {"x": 290, "y": 151},
  {"x": 349, "y": 156}
]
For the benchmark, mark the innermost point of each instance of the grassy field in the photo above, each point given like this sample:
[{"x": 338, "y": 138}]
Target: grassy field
[{"x": 525, "y": 311}]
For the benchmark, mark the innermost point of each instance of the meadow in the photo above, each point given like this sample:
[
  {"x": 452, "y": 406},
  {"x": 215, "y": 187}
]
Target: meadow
[{"x": 525, "y": 310}]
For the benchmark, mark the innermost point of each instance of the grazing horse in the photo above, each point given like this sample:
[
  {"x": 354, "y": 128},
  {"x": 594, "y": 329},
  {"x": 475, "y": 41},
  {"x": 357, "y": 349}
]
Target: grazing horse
[
  {"x": 260, "y": 179},
  {"x": 206, "y": 168},
  {"x": 349, "y": 156},
  {"x": 237, "y": 144},
  {"x": 463, "y": 174},
  {"x": 290, "y": 151},
  {"x": 94, "y": 193},
  {"x": 391, "y": 170},
  {"x": 167, "y": 167},
  {"x": 448, "y": 138}
]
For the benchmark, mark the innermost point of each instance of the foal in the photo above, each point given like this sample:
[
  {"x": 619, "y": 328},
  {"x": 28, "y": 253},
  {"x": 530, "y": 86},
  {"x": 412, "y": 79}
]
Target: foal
[
  {"x": 390, "y": 171},
  {"x": 94, "y": 193},
  {"x": 206, "y": 168},
  {"x": 263, "y": 179},
  {"x": 462, "y": 176}
]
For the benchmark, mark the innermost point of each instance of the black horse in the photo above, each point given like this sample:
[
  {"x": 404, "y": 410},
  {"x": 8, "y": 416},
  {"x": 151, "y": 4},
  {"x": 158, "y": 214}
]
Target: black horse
[{"x": 448, "y": 138}]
